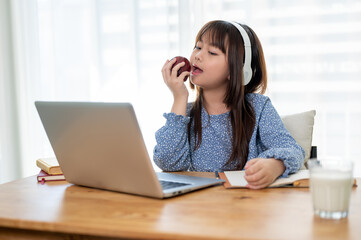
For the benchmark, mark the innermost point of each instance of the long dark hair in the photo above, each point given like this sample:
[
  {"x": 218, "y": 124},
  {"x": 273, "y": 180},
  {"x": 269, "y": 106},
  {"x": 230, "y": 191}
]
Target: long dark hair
[{"x": 227, "y": 38}]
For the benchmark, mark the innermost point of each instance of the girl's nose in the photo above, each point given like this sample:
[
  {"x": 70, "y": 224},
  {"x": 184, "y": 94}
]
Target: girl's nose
[{"x": 197, "y": 56}]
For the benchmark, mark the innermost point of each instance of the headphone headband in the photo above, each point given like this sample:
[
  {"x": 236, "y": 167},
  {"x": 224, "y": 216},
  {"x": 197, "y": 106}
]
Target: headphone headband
[{"x": 247, "y": 69}]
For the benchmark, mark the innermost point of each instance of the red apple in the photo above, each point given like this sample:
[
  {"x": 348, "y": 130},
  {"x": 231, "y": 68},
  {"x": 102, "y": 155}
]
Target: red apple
[{"x": 186, "y": 67}]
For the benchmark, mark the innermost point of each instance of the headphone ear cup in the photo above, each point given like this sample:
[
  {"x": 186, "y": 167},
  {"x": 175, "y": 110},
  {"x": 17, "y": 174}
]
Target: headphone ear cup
[
  {"x": 247, "y": 69},
  {"x": 247, "y": 75}
]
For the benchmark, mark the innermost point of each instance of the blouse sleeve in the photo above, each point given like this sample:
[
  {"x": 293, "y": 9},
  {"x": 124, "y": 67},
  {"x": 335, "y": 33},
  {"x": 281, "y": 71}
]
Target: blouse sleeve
[
  {"x": 277, "y": 142},
  {"x": 172, "y": 150}
]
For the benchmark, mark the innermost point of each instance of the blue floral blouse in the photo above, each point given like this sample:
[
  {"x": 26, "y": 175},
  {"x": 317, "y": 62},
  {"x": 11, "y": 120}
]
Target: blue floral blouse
[{"x": 270, "y": 139}]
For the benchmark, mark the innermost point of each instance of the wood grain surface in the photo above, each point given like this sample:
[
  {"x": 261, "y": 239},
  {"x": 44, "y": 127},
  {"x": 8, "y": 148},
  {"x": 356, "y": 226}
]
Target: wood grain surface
[{"x": 59, "y": 210}]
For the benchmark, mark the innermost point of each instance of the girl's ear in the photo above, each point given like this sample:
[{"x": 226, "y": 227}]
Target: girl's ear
[{"x": 229, "y": 77}]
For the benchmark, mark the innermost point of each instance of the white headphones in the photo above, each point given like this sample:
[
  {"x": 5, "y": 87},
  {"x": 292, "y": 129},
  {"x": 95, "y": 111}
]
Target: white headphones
[{"x": 247, "y": 69}]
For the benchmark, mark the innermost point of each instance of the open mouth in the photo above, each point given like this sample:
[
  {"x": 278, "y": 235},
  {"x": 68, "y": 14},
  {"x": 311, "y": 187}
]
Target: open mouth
[{"x": 196, "y": 70}]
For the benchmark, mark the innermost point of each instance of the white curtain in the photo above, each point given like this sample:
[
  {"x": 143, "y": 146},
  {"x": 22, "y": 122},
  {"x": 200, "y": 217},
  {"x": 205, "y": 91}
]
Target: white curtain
[
  {"x": 113, "y": 50},
  {"x": 9, "y": 134}
]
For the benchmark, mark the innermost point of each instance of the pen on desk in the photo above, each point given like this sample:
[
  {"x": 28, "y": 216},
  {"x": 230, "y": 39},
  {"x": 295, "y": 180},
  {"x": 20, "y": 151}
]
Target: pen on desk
[{"x": 217, "y": 175}]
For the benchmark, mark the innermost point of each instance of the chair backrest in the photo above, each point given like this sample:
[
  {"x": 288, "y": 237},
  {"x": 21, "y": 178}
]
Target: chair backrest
[{"x": 300, "y": 126}]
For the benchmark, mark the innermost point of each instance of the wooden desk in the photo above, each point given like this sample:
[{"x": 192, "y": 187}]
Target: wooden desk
[{"x": 59, "y": 210}]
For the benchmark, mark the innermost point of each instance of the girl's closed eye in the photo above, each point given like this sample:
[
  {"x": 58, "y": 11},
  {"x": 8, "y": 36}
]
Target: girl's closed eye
[{"x": 212, "y": 50}]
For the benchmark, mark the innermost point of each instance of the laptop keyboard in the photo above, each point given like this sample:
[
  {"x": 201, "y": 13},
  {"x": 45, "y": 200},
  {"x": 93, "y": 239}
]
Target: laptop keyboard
[{"x": 169, "y": 184}]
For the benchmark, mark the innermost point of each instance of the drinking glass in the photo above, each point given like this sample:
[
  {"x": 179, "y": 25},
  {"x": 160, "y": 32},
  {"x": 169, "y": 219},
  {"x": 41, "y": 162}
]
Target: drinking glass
[{"x": 331, "y": 183}]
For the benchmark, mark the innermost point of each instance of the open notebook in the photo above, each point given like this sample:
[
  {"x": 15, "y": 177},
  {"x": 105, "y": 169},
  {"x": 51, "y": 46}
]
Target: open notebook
[{"x": 235, "y": 179}]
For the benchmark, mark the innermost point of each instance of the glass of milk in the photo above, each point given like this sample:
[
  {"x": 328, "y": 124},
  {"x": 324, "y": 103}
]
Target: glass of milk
[{"x": 331, "y": 183}]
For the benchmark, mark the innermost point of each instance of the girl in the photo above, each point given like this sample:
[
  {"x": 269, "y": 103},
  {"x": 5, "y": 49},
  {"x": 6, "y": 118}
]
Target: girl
[{"x": 231, "y": 125}]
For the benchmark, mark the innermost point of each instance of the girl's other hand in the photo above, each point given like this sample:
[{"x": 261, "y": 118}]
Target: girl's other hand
[
  {"x": 261, "y": 172},
  {"x": 174, "y": 83}
]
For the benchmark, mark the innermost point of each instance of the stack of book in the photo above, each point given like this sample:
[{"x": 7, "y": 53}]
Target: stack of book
[{"x": 49, "y": 170}]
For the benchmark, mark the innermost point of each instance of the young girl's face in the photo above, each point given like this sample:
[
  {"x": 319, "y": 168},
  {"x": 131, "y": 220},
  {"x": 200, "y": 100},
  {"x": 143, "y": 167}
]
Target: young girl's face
[{"x": 209, "y": 65}]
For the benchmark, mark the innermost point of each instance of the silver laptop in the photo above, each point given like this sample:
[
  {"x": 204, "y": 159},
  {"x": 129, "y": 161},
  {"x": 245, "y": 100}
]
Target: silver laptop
[{"x": 100, "y": 145}]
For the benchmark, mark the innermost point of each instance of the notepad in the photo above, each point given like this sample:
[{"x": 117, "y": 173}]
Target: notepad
[{"x": 44, "y": 177}]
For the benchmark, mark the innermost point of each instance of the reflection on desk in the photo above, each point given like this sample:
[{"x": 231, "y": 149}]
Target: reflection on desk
[{"x": 58, "y": 210}]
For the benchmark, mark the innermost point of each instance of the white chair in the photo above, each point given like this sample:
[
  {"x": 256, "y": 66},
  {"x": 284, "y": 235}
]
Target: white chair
[{"x": 300, "y": 126}]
